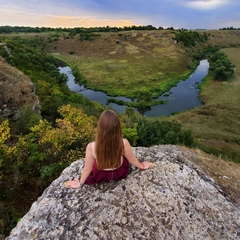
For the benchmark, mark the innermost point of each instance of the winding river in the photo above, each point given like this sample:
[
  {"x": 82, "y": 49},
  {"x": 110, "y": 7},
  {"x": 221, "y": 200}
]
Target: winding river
[{"x": 182, "y": 97}]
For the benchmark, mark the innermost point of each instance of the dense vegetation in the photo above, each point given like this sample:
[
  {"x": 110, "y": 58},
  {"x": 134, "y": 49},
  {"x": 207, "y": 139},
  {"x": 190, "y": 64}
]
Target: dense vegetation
[
  {"x": 220, "y": 66},
  {"x": 229, "y": 28},
  {"x": 76, "y": 30}
]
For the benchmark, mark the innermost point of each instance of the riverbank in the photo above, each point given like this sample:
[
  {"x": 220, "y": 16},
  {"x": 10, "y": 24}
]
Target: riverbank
[
  {"x": 216, "y": 124},
  {"x": 180, "y": 98}
]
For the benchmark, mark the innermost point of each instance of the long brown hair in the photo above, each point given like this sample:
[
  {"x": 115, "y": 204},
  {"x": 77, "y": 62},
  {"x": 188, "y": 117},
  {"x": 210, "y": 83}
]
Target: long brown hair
[{"x": 109, "y": 142}]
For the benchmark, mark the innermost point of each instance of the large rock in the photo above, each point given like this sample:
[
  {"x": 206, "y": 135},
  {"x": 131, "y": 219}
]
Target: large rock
[{"x": 174, "y": 200}]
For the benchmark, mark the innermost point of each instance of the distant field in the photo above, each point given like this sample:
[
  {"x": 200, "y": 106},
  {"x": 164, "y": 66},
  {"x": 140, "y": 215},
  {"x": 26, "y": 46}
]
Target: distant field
[{"x": 216, "y": 124}]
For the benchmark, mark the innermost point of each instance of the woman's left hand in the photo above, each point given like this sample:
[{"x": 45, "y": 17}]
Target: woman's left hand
[
  {"x": 73, "y": 183},
  {"x": 147, "y": 165}
]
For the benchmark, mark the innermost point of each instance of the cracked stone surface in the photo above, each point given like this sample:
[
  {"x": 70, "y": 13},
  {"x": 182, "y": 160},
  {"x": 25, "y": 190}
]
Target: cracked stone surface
[{"x": 174, "y": 200}]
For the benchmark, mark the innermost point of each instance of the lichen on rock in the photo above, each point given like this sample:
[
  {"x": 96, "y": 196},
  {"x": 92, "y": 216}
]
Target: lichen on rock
[{"x": 173, "y": 200}]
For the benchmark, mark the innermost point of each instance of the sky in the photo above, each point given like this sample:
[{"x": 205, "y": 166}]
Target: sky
[{"x": 188, "y": 14}]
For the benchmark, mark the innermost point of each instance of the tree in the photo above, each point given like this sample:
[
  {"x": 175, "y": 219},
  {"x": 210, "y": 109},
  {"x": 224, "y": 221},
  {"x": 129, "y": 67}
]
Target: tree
[
  {"x": 221, "y": 66},
  {"x": 46, "y": 145},
  {"x": 5, "y": 150}
]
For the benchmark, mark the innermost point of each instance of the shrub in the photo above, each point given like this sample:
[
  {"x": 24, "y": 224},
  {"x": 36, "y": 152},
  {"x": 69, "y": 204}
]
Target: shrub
[{"x": 153, "y": 132}]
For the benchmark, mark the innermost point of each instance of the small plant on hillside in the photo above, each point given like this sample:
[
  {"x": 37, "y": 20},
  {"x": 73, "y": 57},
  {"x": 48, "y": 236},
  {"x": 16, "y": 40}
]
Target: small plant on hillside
[
  {"x": 88, "y": 36},
  {"x": 28, "y": 118}
]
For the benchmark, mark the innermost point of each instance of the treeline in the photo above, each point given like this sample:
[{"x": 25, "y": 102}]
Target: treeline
[
  {"x": 22, "y": 29},
  {"x": 229, "y": 28},
  {"x": 77, "y": 30}
]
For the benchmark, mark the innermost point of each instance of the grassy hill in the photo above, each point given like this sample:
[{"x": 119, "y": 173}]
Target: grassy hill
[{"x": 123, "y": 63}]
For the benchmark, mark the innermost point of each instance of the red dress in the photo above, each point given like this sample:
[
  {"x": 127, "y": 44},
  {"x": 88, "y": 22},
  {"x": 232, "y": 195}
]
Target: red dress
[{"x": 98, "y": 175}]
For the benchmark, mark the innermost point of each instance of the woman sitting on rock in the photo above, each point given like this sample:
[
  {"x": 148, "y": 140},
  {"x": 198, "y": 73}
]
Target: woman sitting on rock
[{"x": 109, "y": 156}]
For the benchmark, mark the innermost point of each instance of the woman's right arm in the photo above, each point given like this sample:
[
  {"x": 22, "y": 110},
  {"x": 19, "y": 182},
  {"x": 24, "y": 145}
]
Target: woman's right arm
[
  {"x": 89, "y": 161},
  {"x": 128, "y": 153}
]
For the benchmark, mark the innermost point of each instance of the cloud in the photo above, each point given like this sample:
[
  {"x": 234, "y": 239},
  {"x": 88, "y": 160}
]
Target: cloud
[
  {"x": 90, "y": 13},
  {"x": 205, "y": 4}
]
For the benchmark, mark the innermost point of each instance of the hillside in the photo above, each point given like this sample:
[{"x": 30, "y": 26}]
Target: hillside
[
  {"x": 16, "y": 90},
  {"x": 224, "y": 38}
]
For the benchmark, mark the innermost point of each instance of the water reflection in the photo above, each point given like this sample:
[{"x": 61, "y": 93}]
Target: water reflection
[{"x": 180, "y": 98}]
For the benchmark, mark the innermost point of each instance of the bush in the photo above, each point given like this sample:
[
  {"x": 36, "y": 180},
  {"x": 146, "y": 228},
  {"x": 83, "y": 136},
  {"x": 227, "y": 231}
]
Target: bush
[
  {"x": 220, "y": 66},
  {"x": 162, "y": 132},
  {"x": 190, "y": 38},
  {"x": 27, "y": 119}
]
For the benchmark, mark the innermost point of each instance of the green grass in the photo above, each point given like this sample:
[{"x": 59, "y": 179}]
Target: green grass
[{"x": 124, "y": 77}]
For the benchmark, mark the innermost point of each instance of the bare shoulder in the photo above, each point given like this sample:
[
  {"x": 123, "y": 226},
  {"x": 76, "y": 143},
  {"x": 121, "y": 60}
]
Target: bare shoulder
[
  {"x": 89, "y": 146},
  {"x": 127, "y": 145},
  {"x": 89, "y": 151}
]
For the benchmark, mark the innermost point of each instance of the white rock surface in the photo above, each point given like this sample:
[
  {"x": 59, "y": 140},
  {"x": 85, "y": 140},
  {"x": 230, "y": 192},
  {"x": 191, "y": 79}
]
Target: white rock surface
[{"x": 174, "y": 200}]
